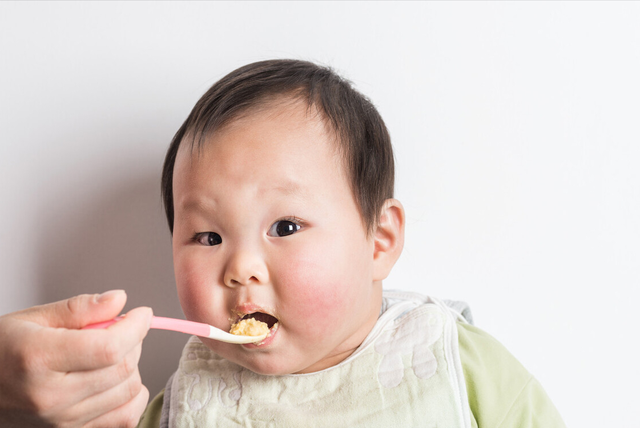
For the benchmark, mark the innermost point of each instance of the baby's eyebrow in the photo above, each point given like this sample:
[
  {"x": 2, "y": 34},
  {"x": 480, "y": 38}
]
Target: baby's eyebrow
[
  {"x": 195, "y": 205},
  {"x": 289, "y": 188}
]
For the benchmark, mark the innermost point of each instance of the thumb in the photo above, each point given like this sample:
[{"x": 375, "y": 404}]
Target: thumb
[{"x": 78, "y": 311}]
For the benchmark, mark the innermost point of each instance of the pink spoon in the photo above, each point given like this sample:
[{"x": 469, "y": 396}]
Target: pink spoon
[{"x": 189, "y": 327}]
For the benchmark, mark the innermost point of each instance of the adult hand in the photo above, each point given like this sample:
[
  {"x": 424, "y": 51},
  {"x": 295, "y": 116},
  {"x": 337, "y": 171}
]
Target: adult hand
[{"x": 52, "y": 374}]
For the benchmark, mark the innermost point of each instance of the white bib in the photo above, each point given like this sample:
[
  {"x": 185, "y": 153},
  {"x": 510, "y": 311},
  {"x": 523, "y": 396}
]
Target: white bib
[{"x": 407, "y": 373}]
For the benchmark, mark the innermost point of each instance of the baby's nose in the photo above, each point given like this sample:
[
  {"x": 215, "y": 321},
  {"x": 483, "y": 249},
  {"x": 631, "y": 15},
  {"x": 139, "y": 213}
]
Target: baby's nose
[{"x": 245, "y": 267}]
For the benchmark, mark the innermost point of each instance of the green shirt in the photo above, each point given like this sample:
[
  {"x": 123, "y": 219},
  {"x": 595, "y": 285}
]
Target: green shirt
[{"x": 502, "y": 393}]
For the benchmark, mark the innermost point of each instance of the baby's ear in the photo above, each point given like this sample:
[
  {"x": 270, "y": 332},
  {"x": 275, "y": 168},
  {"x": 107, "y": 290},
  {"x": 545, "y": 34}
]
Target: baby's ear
[{"x": 388, "y": 238}]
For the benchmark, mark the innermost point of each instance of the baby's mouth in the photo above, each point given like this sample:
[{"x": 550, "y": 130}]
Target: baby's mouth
[
  {"x": 269, "y": 320},
  {"x": 255, "y": 324},
  {"x": 260, "y": 321}
]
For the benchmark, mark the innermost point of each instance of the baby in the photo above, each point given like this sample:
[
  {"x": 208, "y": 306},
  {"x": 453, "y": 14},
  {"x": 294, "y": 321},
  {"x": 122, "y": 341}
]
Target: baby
[{"x": 278, "y": 190}]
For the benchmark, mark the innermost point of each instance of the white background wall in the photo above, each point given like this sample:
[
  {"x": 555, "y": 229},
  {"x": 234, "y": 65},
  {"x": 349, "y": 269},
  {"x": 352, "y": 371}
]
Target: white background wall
[{"x": 516, "y": 129}]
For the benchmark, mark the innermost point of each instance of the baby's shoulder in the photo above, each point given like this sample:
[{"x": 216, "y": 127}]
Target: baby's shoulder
[
  {"x": 152, "y": 414},
  {"x": 502, "y": 393}
]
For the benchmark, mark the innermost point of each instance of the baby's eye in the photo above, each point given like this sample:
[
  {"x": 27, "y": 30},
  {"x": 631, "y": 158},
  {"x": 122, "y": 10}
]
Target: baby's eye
[
  {"x": 283, "y": 228},
  {"x": 208, "y": 238}
]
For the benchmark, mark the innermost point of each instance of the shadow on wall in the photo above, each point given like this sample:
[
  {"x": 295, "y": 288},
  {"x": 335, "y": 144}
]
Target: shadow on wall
[{"x": 116, "y": 238}]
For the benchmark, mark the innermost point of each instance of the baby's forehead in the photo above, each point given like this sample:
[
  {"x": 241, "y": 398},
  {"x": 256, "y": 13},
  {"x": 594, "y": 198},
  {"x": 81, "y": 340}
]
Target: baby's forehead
[
  {"x": 279, "y": 134},
  {"x": 276, "y": 160},
  {"x": 285, "y": 117},
  {"x": 303, "y": 112}
]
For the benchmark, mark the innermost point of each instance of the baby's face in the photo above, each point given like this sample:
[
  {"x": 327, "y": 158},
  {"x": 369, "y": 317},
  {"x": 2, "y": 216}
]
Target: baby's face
[{"x": 265, "y": 221}]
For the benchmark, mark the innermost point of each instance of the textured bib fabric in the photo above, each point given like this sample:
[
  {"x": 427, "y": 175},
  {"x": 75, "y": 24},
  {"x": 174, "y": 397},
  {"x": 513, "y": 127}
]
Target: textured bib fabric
[{"x": 407, "y": 373}]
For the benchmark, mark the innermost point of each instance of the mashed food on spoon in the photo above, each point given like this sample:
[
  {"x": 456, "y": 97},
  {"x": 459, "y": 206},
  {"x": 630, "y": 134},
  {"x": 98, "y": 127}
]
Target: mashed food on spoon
[{"x": 249, "y": 327}]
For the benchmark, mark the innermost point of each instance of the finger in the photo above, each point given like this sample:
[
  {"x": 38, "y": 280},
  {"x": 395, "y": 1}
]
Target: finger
[
  {"x": 126, "y": 416},
  {"x": 79, "y": 350},
  {"x": 77, "y": 386},
  {"x": 54, "y": 398},
  {"x": 107, "y": 401},
  {"x": 78, "y": 311}
]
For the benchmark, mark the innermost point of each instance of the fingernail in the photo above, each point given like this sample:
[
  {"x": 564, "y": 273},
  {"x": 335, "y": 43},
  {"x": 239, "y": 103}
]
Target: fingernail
[{"x": 108, "y": 296}]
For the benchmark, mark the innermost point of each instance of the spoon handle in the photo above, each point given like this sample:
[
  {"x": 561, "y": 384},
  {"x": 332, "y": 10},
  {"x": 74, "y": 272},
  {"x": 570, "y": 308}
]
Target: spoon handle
[{"x": 189, "y": 327}]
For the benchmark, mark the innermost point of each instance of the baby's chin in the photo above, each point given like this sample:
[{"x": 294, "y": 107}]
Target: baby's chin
[
  {"x": 267, "y": 362},
  {"x": 268, "y": 369}
]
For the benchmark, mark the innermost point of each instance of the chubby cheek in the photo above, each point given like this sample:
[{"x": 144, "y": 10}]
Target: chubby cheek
[
  {"x": 314, "y": 311},
  {"x": 319, "y": 299},
  {"x": 197, "y": 296}
]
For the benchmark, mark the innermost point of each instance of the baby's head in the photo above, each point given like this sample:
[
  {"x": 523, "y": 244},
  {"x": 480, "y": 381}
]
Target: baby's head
[{"x": 278, "y": 190}]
